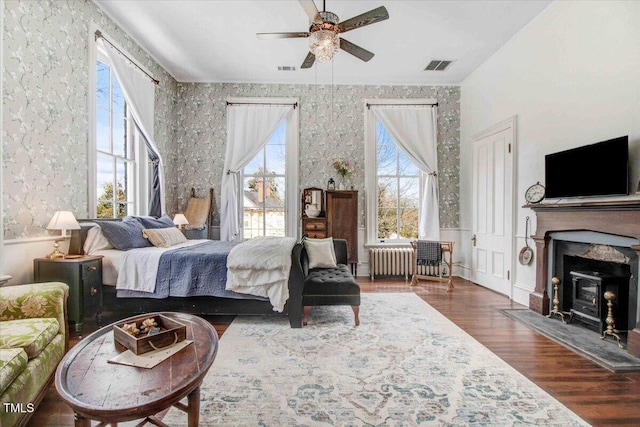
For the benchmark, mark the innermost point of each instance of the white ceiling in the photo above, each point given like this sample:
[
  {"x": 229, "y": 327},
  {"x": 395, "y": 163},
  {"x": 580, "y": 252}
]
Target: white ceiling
[{"x": 215, "y": 40}]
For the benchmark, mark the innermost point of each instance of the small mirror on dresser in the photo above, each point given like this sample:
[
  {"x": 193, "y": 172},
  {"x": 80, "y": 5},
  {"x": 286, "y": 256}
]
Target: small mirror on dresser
[{"x": 312, "y": 202}]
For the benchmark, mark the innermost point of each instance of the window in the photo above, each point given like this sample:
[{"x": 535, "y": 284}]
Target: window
[
  {"x": 394, "y": 181},
  {"x": 397, "y": 190},
  {"x": 264, "y": 196},
  {"x": 118, "y": 158}
]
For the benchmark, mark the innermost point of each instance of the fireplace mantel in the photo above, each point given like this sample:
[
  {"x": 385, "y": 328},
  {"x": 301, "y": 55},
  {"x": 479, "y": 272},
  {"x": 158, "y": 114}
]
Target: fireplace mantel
[{"x": 620, "y": 217}]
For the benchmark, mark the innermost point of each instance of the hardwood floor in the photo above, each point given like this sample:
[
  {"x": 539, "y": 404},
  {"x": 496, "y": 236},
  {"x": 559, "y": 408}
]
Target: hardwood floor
[{"x": 599, "y": 396}]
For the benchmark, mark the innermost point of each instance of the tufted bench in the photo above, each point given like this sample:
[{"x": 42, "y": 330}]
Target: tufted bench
[{"x": 330, "y": 286}]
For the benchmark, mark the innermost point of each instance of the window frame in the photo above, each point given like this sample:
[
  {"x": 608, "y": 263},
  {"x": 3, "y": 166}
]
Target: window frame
[
  {"x": 140, "y": 198},
  {"x": 371, "y": 170},
  {"x": 292, "y": 136},
  {"x": 265, "y": 176}
]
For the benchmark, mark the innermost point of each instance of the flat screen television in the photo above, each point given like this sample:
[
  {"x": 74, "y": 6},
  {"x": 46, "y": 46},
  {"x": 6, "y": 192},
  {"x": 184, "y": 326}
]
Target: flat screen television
[{"x": 599, "y": 169}]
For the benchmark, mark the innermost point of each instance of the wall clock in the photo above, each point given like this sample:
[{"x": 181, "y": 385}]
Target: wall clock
[{"x": 535, "y": 193}]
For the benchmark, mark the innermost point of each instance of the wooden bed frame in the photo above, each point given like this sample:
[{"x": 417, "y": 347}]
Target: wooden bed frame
[{"x": 200, "y": 305}]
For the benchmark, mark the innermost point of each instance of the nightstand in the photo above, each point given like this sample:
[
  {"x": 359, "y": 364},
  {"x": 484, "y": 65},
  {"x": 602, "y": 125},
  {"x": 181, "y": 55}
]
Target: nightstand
[{"x": 83, "y": 275}]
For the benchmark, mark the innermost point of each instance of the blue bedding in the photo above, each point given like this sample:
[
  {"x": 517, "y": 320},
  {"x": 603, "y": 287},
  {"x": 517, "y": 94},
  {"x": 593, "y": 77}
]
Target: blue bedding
[{"x": 198, "y": 270}]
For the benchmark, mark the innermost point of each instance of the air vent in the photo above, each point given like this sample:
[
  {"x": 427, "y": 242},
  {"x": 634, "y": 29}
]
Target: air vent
[
  {"x": 438, "y": 65},
  {"x": 286, "y": 68}
]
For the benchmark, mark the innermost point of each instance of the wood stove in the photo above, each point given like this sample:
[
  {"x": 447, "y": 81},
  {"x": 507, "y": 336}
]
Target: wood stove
[{"x": 588, "y": 303}]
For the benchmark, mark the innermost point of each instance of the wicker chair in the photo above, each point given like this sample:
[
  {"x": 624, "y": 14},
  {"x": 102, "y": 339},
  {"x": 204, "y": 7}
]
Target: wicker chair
[{"x": 198, "y": 214}]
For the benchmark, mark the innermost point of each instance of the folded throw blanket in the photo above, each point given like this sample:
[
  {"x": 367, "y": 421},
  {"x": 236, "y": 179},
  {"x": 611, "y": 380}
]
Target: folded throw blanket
[
  {"x": 260, "y": 266},
  {"x": 428, "y": 253}
]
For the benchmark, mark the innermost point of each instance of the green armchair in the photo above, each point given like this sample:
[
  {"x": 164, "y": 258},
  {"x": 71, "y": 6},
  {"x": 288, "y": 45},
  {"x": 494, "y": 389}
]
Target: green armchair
[{"x": 34, "y": 336}]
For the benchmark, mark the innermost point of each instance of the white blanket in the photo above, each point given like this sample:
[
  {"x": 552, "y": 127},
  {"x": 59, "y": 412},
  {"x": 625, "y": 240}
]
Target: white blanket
[
  {"x": 260, "y": 266},
  {"x": 138, "y": 268}
]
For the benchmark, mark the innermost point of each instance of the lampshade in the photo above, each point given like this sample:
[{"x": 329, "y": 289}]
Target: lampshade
[
  {"x": 180, "y": 219},
  {"x": 63, "y": 220},
  {"x": 324, "y": 44}
]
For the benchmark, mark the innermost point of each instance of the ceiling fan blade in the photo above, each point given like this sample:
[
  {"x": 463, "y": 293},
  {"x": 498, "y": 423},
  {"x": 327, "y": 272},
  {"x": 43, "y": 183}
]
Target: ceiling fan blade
[
  {"x": 355, "y": 50},
  {"x": 367, "y": 18},
  {"x": 308, "y": 61},
  {"x": 269, "y": 36},
  {"x": 312, "y": 11}
]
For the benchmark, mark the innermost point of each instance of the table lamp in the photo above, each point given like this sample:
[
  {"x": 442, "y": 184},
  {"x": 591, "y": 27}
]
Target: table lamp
[
  {"x": 62, "y": 220},
  {"x": 180, "y": 220}
]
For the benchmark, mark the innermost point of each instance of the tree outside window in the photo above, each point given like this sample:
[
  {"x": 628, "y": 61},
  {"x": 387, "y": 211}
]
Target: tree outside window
[
  {"x": 398, "y": 189},
  {"x": 115, "y": 154}
]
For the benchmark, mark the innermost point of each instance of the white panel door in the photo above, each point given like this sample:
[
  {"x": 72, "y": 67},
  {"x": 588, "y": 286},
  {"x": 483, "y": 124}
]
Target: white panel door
[{"x": 492, "y": 228}]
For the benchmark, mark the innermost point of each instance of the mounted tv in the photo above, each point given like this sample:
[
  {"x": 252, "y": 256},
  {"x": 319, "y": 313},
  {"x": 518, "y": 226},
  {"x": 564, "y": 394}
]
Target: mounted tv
[{"x": 592, "y": 170}]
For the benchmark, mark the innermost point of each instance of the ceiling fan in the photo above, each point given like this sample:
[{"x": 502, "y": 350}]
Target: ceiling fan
[{"x": 324, "y": 31}]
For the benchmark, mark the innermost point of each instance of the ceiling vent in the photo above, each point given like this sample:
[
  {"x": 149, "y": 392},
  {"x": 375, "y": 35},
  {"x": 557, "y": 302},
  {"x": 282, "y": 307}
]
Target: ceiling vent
[
  {"x": 286, "y": 68},
  {"x": 438, "y": 65}
]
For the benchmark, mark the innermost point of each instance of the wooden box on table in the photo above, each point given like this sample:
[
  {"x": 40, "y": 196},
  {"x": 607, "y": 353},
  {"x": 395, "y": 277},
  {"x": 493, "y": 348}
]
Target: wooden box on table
[{"x": 170, "y": 333}]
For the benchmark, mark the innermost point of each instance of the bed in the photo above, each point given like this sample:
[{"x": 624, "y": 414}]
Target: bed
[{"x": 187, "y": 297}]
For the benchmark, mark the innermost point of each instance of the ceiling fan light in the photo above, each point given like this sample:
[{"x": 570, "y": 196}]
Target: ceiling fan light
[{"x": 324, "y": 44}]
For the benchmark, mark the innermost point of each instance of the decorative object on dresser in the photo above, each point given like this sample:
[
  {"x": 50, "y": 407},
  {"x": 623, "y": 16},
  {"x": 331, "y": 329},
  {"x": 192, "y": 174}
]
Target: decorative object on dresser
[
  {"x": 314, "y": 221},
  {"x": 345, "y": 169},
  {"x": 331, "y": 184},
  {"x": 83, "y": 275},
  {"x": 62, "y": 220}
]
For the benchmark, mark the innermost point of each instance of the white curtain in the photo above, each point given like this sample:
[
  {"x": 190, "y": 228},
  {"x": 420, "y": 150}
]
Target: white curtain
[
  {"x": 249, "y": 127},
  {"x": 413, "y": 128},
  {"x": 139, "y": 92}
]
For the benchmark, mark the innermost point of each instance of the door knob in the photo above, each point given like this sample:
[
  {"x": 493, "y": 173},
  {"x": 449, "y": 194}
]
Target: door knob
[{"x": 473, "y": 239}]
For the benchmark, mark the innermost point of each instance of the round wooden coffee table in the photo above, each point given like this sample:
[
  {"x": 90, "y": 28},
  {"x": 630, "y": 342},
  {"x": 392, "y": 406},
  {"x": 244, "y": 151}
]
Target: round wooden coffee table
[{"x": 111, "y": 393}]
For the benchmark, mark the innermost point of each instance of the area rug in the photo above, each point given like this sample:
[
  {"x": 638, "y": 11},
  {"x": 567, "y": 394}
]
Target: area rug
[
  {"x": 405, "y": 365},
  {"x": 583, "y": 341}
]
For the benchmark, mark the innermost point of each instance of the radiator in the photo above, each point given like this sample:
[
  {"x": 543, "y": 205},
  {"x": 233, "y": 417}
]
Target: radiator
[{"x": 391, "y": 262}]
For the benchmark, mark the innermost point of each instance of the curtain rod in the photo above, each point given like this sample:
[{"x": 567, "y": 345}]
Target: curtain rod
[
  {"x": 400, "y": 105},
  {"x": 99, "y": 35},
  {"x": 295, "y": 104}
]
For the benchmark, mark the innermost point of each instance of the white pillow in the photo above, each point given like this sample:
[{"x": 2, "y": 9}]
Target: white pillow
[
  {"x": 320, "y": 252},
  {"x": 95, "y": 241},
  {"x": 164, "y": 237}
]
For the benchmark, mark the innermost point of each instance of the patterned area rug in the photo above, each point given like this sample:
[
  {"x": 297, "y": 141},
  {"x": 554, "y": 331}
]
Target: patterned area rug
[{"x": 405, "y": 365}]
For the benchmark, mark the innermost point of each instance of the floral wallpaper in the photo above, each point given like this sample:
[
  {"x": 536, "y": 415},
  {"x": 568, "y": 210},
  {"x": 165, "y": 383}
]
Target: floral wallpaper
[
  {"x": 45, "y": 120},
  {"x": 45, "y": 126},
  {"x": 331, "y": 125}
]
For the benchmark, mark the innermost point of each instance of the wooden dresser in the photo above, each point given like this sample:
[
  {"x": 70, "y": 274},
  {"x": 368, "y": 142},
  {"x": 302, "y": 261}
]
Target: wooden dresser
[
  {"x": 315, "y": 228},
  {"x": 342, "y": 220},
  {"x": 339, "y": 219}
]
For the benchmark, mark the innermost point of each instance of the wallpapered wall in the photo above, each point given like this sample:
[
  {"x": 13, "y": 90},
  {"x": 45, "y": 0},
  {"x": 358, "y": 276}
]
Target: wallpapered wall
[
  {"x": 45, "y": 129},
  {"x": 45, "y": 75},
  {"x": 331, "y": 125}
]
